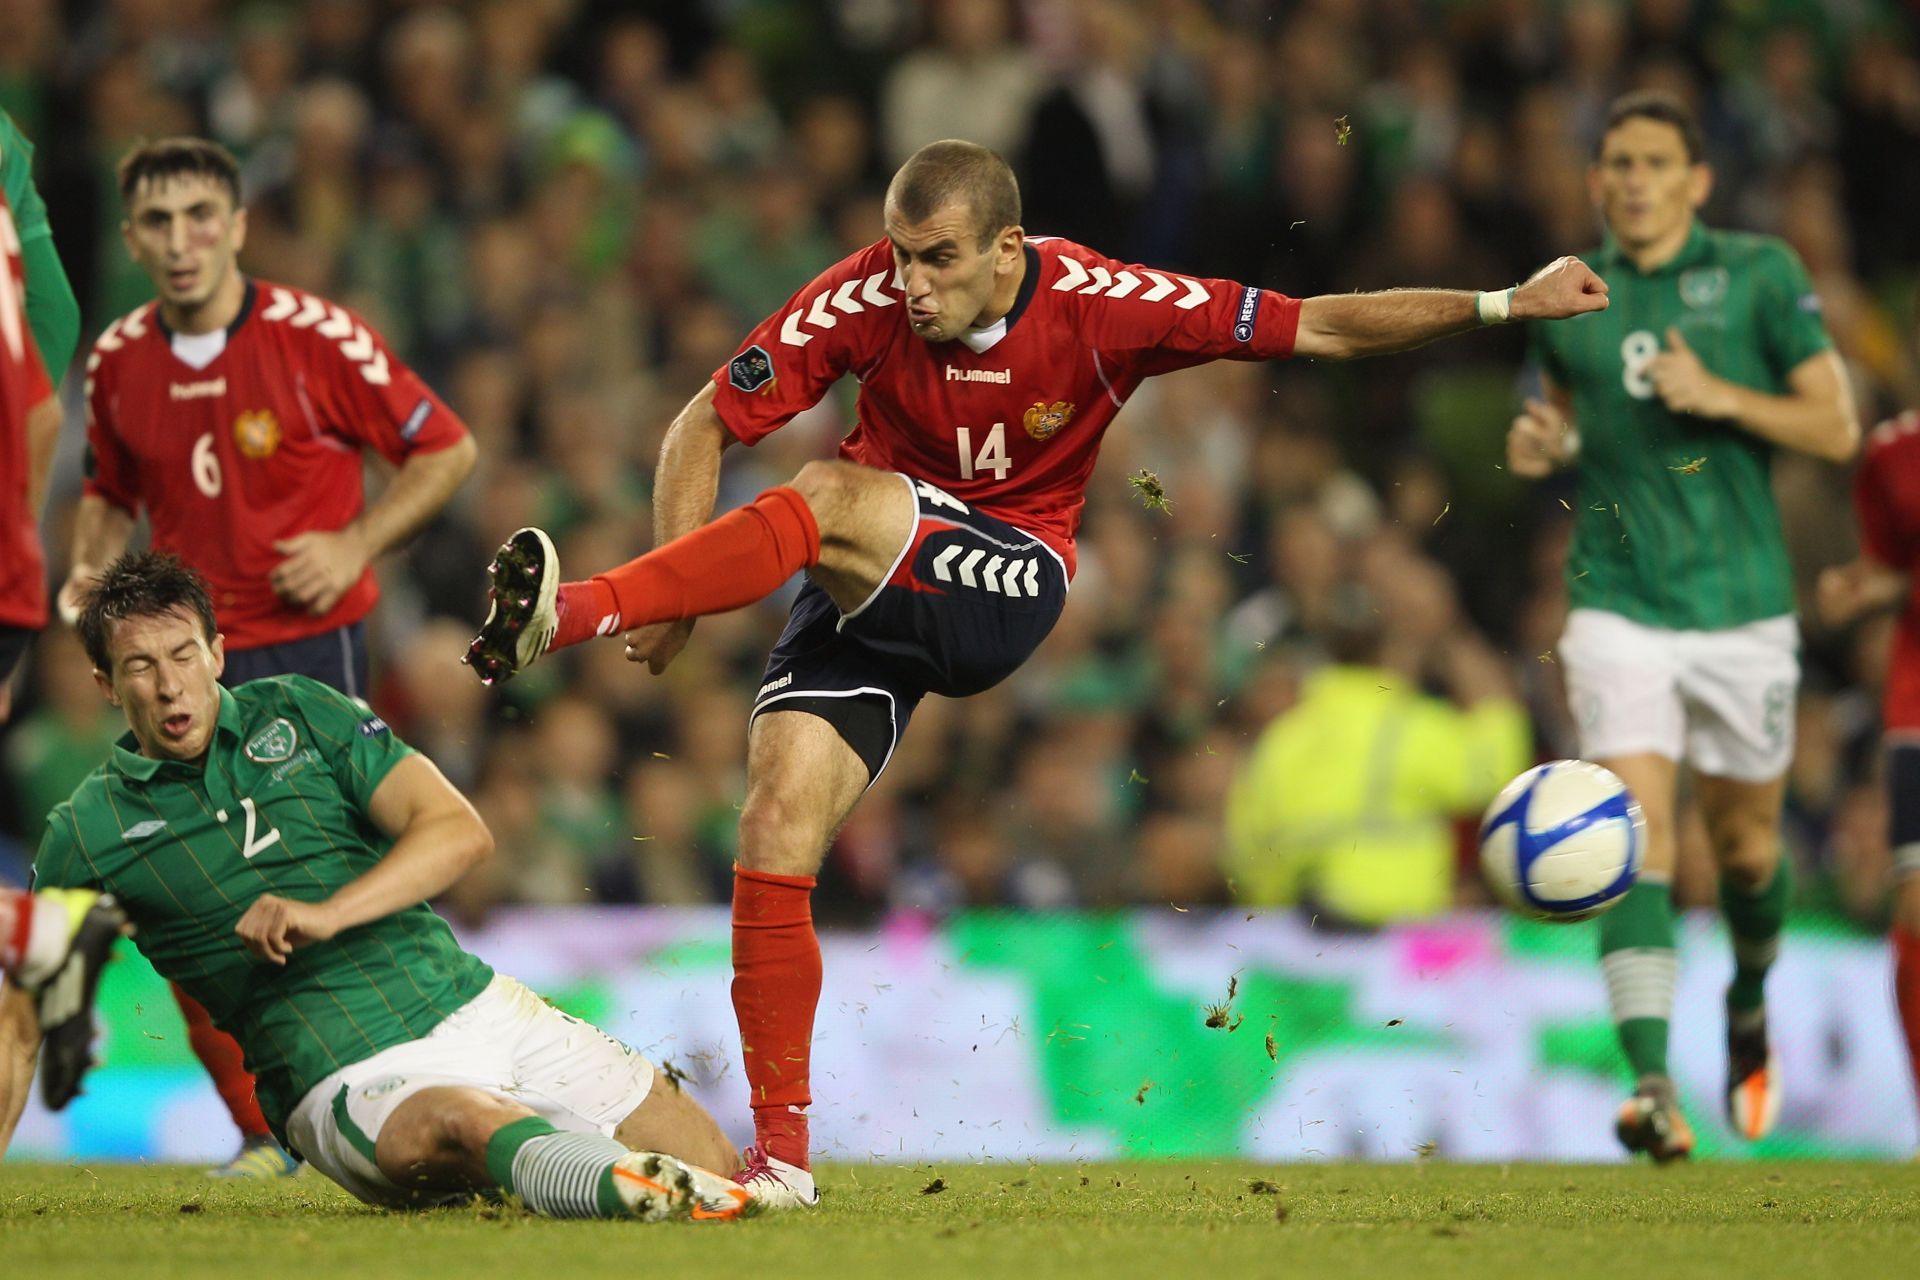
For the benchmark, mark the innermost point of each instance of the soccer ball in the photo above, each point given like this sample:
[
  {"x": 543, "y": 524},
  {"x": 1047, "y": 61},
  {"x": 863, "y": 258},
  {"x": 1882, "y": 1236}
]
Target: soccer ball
[{"x": 1563, "y": 841}]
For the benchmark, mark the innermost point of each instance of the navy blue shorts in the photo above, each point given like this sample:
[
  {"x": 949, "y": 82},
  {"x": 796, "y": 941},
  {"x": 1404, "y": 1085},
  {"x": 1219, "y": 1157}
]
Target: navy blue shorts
[
  {"x": 1903, "y": 806},
  {"x": 14, "y": 643},
  {"x": 337, "y": 657},
  {"x": 968, "y": 601}
]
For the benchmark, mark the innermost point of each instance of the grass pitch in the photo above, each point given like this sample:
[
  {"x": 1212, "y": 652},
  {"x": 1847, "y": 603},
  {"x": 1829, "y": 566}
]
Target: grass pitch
[{"x": 1431, "y": 1221}]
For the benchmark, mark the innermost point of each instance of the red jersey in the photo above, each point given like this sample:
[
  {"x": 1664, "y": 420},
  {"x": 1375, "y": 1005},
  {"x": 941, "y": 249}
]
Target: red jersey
[
  {"x": 23, "y": 384},
  {"x": 234, "y": 440},
  {"x": 1007, "y": 419},
  {"x": 1886, "y": 497}
]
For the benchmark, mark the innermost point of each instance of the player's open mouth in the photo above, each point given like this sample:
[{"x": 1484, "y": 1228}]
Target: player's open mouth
[
  {"x": 182, "y": 279},
  {"x": 920, "y": 319},
  {"x": 176, "y": 726}
]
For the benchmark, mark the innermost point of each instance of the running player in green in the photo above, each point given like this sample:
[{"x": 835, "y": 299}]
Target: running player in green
[
  {"x": 274, "y": 846},
  {"x": 1681, "y": 644}
]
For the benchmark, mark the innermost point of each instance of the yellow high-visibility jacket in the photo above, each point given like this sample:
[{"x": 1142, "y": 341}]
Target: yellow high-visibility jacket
[{"x": 1348, "y": 799}]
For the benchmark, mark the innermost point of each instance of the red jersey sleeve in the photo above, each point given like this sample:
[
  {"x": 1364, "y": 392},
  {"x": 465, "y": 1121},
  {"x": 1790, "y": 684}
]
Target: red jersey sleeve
[
  {"x": 110, "y": 469},
  {"x": 1885, "y": 535},
  {"x": 370, "y": 396},
  {"x": 1157, "y": 321},
  {"x": 841, "y": 321}
]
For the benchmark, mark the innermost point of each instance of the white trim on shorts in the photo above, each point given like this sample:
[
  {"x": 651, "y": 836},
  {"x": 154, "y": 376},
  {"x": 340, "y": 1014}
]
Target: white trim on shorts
[
  {"x": 893, "y": 714},
  {"x": 913, "y": 500}
]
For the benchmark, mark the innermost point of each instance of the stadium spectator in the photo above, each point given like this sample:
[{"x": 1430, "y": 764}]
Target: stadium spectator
[{"x": 1347, "y": 803}]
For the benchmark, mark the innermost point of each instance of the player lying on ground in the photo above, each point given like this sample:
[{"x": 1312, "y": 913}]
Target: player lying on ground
[
  {"x": 938, "y": 549},
  {"x": 274, "y": 846},
  {"x": 210, "y": 408}
]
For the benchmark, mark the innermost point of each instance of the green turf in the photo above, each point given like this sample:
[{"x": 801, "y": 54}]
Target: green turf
[{"x": 1426, "y": 1222}]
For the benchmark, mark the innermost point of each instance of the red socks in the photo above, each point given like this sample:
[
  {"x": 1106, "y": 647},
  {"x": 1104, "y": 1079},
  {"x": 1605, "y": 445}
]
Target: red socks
[
  {"x": 1906, "y": 993},
  {"x": 13, "y": 943},
  {"x": 742, "y": 557},
  {"x": 220, "y": 1054},
  {"x": 776, "y": 988}
]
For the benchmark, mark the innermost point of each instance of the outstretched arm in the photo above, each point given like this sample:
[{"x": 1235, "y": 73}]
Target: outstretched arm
[
  {"x": 437, "y": 838},
  {"x": 19, "y": 1045},
  {"x": 1349, "y": 325}
]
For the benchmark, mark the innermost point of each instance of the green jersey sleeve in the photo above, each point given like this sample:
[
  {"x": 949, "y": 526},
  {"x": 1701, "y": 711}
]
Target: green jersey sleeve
[
  {"x": 59, "y": 863},
  {"x": 358, "y": 746},
  {"x": 1791, "y": 325},
  {"x": 53, "y": 313}
]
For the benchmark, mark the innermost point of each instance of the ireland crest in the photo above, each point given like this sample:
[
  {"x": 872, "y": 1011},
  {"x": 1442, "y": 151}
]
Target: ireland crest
[
  {"x": 273, "y": 744},
  {"x": 1704, "y": 286}
]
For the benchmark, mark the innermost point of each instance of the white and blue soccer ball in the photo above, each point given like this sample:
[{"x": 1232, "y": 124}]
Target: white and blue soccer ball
[{"x": 1563, "y": 841}]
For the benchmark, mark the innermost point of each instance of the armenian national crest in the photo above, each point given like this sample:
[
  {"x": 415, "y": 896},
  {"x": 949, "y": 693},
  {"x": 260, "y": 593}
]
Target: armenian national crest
[
  {"x": 1044, "y": 420},
  {"x": 257, "y": 433}
]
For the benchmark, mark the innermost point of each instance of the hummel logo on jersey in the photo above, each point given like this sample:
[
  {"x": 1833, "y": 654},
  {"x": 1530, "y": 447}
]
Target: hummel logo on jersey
[
  {"x": 147, "y": 828},
  {"x": 774, "y": 686},
  {"x": 820, "y": 313},
  {"x": 1002, "y": 376},
  {"x": 304, "y": 311},
  {"x": 197, "y": 390},
  {"x": 1121, "y": 284}
]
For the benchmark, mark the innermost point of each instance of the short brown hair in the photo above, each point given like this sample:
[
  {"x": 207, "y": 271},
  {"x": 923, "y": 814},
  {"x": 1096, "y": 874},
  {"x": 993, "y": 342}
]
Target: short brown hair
[
  {"x": 141, "y": 584},
  {"x": 1655, "y": 104},
  {"x": 956, "y": 172},
  {"x": 164, "y": 158}
]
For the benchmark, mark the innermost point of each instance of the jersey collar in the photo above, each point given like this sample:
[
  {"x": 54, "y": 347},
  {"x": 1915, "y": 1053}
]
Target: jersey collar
[
  {"x": 127, "y": 759},
  {"x": 239, "y": 317},
  {"x": 979, "y": 340},
  {"x": 1690, "y": 253}
]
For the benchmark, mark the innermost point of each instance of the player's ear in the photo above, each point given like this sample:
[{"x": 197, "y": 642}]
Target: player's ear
[
  {"x": 219, "y": 649},
  {"x": 105, "y": 683},
  {"x": 239, "y": 228},
  {"x": 1595, "y": 194},
  {"x": 1007, "y": 248},
  {"x": 1699, "y": 184},
  {"x": 126, "y": 238}
]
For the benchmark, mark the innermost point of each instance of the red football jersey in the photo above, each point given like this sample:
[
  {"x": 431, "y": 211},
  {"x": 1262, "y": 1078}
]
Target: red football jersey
[
  {"x": 1886, "y": 496},
  {"x": 231, "y": 445},
  {"x": 1008, "y": 420},
  {"x": 23, "y": 384}
]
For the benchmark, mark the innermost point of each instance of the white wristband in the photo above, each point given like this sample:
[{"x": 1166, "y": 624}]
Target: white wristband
[{"x": 1495, "y": 307}]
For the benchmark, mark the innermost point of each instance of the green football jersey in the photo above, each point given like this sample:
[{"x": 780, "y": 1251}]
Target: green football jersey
[
  {"x": 1676, "y": 525},
  {"x": 280, "y": 807}
]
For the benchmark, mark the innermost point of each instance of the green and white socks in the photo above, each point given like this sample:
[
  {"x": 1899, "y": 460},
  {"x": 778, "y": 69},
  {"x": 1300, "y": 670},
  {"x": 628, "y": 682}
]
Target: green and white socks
[
  {"x": 1755, "y": 921},
  {"x": 1638, "y": 961},
  {"x": 558, "y": 1175},
  {"x": 1637, "y": 957}
]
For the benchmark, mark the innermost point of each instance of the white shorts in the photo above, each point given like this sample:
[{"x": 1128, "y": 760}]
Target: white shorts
[
  {"x": 1723, "y": 701},
  {"x": 506, "y": 1041}
]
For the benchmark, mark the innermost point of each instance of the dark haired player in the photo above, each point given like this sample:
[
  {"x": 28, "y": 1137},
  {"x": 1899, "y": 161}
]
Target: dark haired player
[
  {"x": 1681, "y": 646},
  {"x": 235, "y": 412}
]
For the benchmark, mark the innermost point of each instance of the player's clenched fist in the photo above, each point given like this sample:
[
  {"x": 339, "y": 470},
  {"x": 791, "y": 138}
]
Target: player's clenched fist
[
  {"x": 1540, "y": 441},
  {"x": 274, "y": 926},
  {"x": 1562, "y": 288}
]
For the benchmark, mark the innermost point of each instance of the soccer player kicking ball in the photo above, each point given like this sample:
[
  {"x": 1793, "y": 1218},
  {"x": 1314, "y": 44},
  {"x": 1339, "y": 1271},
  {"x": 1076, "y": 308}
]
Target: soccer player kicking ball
[
  {"x": 236, "y": 412},
  {"x": 1886, "y": 495},
  {"x": 274, "y": 846},
  {"x": 939, "y": 547},
  {"x": 1681, "y": 644}
]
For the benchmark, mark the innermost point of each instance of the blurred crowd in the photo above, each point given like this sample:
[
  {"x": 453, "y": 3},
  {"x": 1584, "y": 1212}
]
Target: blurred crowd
[{"x": 566, "y": 213}]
